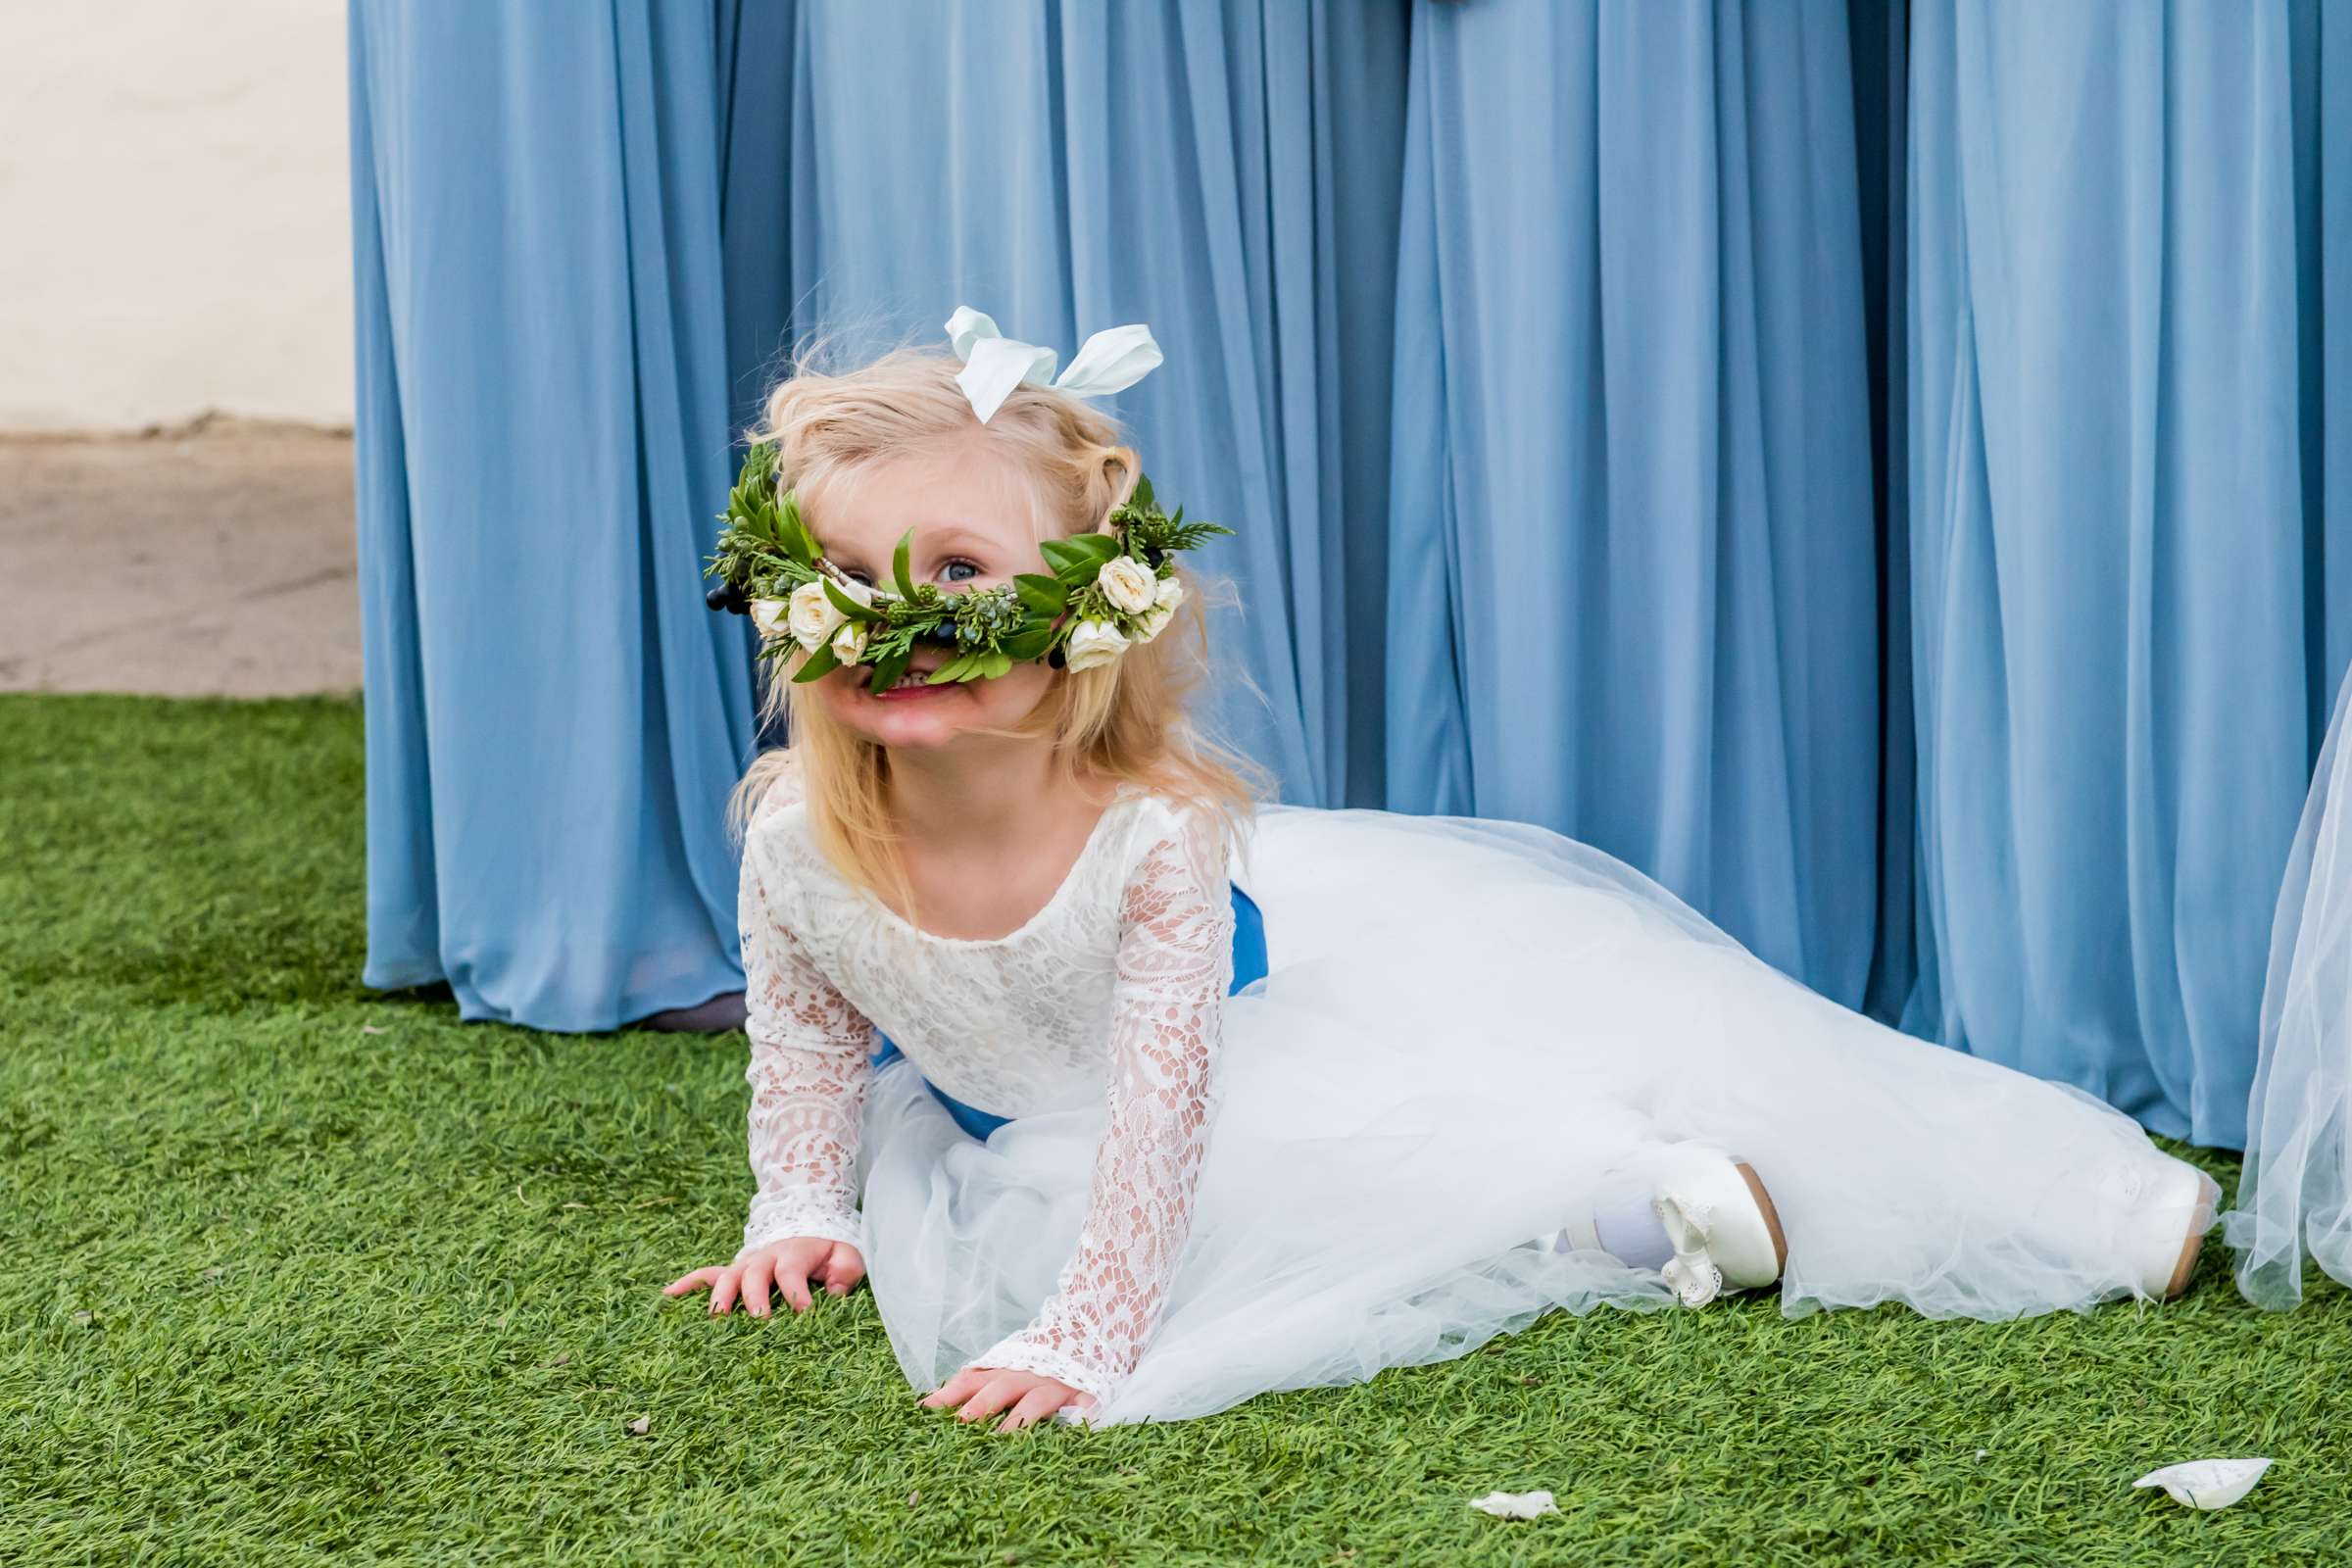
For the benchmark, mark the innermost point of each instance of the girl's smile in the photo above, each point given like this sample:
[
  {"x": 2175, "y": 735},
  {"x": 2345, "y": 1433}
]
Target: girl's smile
[
  {"x": 911, "y": 682},
  {"x": 910, "y": 688}
]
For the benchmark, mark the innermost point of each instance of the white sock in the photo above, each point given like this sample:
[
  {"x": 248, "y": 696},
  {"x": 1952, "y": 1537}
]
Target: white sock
[{"x": 1623, "y": 1224}]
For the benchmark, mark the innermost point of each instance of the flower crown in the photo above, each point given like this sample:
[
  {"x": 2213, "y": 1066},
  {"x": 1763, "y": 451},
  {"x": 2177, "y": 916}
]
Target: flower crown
[{"x": 1108, "y": 591}]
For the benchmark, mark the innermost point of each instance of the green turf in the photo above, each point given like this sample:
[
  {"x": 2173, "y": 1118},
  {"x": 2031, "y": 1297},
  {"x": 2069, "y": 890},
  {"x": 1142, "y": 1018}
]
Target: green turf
[{"x": 290, "y": 1270}]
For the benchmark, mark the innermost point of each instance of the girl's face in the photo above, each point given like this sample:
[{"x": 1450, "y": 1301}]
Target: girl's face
[{"x": 970, "y": 512}]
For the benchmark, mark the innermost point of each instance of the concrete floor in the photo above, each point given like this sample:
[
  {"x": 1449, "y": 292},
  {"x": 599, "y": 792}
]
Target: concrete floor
[{"x": 216, "y": 561}]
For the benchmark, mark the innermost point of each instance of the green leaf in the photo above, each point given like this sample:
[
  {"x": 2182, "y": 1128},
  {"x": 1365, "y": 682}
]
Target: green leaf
[
  {"x": 994, "y": 665},
  {"x": 887, "y": 669},
  {"x": 1077, "y": 559},
  {"x": 792, "y": 531},
  {"x": 897, "y": 565},
  {"x": 1029, "y": 643},
  {"x": 822, "y": 662},
  {"x": 846, "y": 605},
  {"x": 1045, "y": 594},
  {"x": 1142, "y": 498},
  {"x": 952, "y": 669}
]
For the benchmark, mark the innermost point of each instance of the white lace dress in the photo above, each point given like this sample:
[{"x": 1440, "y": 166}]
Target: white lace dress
[{"x": 1466, "y": 1026}]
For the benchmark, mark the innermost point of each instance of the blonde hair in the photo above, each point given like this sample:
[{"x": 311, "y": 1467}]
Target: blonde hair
[{"x": 1125, "y": 721}]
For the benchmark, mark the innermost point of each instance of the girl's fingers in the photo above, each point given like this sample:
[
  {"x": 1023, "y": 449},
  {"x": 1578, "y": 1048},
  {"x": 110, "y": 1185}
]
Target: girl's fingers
[
  {"x": 757, "y": 1275},
  {"x": 691, "y": 1281},
  {"x": 955, "y": 1387},
  {"x": 722, "y": 1292},
  {"x": 1002, "y": 1389},
  {"x": 792, "y": 1277},
  {"x": 840, "y": 1271},
  {"x": 1035, "y": 1405}
]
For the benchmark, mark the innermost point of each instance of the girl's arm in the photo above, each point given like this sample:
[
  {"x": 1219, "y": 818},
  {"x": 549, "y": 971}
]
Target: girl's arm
[
  {"x": 1175, "y": 964},
  {"x": 807, "y": 1073}
]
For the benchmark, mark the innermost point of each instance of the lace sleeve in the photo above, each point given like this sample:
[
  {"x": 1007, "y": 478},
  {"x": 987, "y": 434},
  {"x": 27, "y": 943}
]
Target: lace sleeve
[
  {"x": 1175, "y": 964},
  {"x": 808, "y": 1071}
]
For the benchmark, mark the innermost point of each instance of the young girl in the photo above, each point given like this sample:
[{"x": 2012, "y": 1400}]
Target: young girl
[{"x": 1181, "y": 1100}]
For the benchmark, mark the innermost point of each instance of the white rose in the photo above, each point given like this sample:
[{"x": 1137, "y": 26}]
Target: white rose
[
  {"x": 769, "y": 616},
  {"x": 1094, "y": 642},
  {"x": 813, "y": 618},
  {"x": 1163, "y": 610},
  {"x": 848, "y": 643},
  {"x": 1127, "y": 583}
]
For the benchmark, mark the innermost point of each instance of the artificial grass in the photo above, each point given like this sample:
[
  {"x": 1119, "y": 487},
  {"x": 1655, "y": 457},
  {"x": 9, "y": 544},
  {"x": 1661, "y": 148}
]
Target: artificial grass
[{"x": 290, "y": 1270}]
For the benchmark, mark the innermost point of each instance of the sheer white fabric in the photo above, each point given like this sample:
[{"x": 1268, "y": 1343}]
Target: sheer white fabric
[
  {"x": 2295, "y": 1199},
  {"x": 1468, "y": 1029}
]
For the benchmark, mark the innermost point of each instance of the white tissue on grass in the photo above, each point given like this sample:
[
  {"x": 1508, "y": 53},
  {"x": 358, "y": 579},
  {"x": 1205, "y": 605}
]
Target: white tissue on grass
[
  {"x": 2207, "y": 1483},
  {"x": 1514, "y": 1504}
]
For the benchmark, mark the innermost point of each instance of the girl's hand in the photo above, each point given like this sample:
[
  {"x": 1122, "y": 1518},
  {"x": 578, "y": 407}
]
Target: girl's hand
[
  {"x": 983, "y": 1391},
  {"x": 786, "y": 1266}
]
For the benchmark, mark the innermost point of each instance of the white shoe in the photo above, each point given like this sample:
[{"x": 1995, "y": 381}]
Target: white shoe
[
  {"x": 1724, "y": 1240},
  {"x": 2169, "y": 1200}
]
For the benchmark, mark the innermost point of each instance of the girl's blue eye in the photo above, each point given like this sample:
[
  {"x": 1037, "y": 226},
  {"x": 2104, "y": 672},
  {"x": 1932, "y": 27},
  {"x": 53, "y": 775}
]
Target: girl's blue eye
[{"x": 952, "y": 565}]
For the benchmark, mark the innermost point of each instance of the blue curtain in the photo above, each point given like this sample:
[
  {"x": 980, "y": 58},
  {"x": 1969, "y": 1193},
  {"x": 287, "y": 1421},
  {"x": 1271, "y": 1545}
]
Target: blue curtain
[
  {"x": 553, "y": 719},
  {"x": 2118, "y": 682},
  {"x": 1634, "y": 585},
  {"x": 1865, "y": 465},
  {"x": 1227, "y": 173}
]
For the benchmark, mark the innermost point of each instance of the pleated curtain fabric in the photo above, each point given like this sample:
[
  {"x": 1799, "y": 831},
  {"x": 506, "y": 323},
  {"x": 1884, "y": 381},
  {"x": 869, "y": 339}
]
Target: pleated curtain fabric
[
  {"x": 2295, "y": 1202},
  {"x": 2117, "y": 637},
  {"x": 1227, "y": 174},
  {"x": 553, "y": 719},
  {"x": 1868, "y": 467},
  {"x": 1633, "y": 586}
]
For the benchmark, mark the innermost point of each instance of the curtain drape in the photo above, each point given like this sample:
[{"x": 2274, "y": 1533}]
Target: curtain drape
[
  {"x": 553, "y": 719},
  {"x": 2112, "y": 599},
  {"x": 1634, "y": 585},
  {"x": 2294, "y": 1206},
  {"x": 1227, "y": 173},
  {"x": 1867, "y": 466}
]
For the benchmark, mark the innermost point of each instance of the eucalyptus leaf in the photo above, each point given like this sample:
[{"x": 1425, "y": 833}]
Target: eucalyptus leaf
[
  {"x": 796, "y": 540},
  {"x": 1083, "y": 554},
  {"x": 897, "y": 565},
  {"x": 820, "y": 664},
  {"x": 1046, "y": 595},
  {"x": 1029, "y": 643},
  {"x": 846, "y": 605}
]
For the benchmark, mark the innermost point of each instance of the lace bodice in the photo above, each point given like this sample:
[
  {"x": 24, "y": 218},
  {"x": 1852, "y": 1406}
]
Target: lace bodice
[{"x": 1113, "y": 993}]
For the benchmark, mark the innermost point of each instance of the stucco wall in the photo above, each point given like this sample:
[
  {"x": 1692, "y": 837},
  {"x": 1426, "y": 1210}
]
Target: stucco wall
[{"x": 174, "y": 212}]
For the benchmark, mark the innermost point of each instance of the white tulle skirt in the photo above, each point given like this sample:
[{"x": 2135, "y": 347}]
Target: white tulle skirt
[
  {"x": 1469, "y": 1028},
  {"x": 2295, "y": 1204}
]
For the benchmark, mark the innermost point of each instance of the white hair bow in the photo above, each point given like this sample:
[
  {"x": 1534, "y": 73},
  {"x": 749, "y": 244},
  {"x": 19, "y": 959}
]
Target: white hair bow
[{"x": 1111, "y": 360}]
